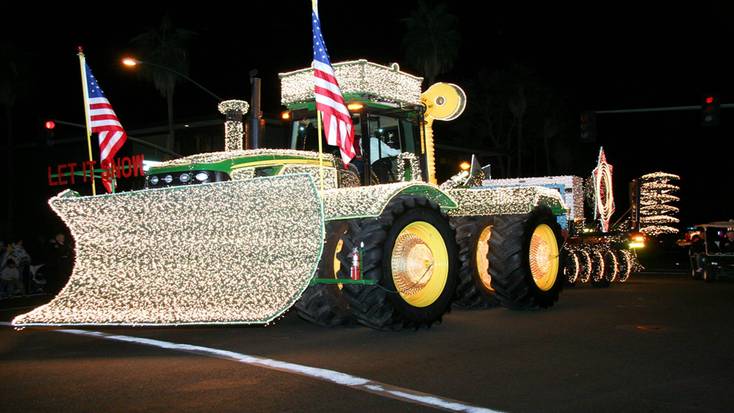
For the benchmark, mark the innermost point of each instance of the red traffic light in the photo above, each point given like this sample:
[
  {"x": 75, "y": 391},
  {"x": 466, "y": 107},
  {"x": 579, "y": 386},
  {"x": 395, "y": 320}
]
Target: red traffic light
[
  {"x": 709, "y": 99},
  {"x": 50, "y": 124}
]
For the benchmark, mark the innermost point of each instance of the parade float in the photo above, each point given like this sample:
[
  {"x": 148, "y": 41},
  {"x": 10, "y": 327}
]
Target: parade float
[
  {"x": 241, "y": 236},
  {"x": 597, "y": 250}
]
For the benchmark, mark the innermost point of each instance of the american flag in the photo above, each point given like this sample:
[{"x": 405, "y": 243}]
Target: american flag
[
  {"x": 104, "y": 123},
  {"x": 338, "y": 127}
]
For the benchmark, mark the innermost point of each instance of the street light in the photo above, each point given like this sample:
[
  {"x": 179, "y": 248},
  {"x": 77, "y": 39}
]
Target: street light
[{"x": 132, "y": 62}]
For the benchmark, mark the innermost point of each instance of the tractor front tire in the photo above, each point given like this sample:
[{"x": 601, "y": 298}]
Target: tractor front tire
[
  {"x": 409, "y": 250},
  {"x": 324, "y": 304}
]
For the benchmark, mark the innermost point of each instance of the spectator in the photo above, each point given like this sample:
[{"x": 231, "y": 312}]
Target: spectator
[
  {"x": 58, "y": 266},
  {"x": 22, "y": 261},
  {"x": 4, "y": 250},
  {"x": 727, "y": 245},
  {"x": 10, "y": 279}
]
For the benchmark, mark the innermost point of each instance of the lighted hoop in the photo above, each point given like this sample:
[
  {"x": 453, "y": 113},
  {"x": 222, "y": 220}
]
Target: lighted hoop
[{"x": 603, "y": 191}]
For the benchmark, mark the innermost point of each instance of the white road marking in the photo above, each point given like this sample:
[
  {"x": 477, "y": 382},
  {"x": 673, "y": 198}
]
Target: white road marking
[{"x": 344, "y": 379}]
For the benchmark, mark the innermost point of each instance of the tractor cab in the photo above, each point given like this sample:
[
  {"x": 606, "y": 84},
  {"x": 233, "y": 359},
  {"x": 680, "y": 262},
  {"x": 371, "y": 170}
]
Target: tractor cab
[
  {"x": 391, "y": 114},
  {"x": 383, "y": 137}
]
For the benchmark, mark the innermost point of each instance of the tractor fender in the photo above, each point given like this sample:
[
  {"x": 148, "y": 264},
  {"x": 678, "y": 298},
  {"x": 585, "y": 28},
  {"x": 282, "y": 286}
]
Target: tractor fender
[
  {"x": 481, "y": 201},
  {"x": 370, "y": 201}
]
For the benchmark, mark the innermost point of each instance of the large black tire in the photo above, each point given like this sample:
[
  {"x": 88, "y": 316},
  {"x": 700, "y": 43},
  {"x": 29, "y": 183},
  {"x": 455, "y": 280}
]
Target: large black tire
[
  {"x": 509, "y": 253},
  {"x": 324, "y": 304},
  {"x": 471, "y": 291},
  {"x": 695, "y": 273},
  {"x": 381, "y": 306},
  {"x": 709, "y": 274}
]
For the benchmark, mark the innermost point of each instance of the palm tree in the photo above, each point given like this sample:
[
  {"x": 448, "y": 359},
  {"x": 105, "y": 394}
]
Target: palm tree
[
  {"x": 431, "y": 39},
  {"x": 165, "y": 46}
]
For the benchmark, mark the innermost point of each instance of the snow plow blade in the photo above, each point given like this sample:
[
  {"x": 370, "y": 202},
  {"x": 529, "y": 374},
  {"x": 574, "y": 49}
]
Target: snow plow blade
[{"x": 236, "y": 252}]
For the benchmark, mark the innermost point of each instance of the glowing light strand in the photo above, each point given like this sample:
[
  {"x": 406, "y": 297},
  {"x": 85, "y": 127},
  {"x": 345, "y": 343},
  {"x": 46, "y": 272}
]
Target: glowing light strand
[
  {"x": 656, "y": 213},
  {"x": 234, "y": 131}
]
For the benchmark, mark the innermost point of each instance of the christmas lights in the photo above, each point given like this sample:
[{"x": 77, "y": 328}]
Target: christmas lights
[
  {"x": 656, "y": 215},
  {"x": 501, "y": 201},
  {"x": 229, "y": 252},
  {"x": 598, "y": 261},
  {"x": 574, "y": 198},
  {"x": 329, "y": 174},
  {"x": 233, "y": 128},
  {"x": 370, "y": 201},
  {"x": 603, "y": 191},
  {"x": 348, "y": 178},
  {"x": 242, "y": 174},
  {"x": 415, "y": 167},
  {"x": 358, "y": 77},
  {"x": 214, "y": 157}
]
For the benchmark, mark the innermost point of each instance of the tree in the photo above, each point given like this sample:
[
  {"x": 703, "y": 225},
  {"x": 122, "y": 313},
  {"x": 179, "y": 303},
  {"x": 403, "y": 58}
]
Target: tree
[
  {"x": 518, "y": 105},
  {"x": 512, "y": 111},
  {"x": 14, "y": 84},
  {"x": 431, "y": 40},
  {"x": 166, "y": 46}
]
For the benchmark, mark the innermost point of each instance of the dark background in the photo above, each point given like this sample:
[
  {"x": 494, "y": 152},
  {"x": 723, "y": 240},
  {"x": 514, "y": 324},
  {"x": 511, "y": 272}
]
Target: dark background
[{"x": 612, "y": 56}]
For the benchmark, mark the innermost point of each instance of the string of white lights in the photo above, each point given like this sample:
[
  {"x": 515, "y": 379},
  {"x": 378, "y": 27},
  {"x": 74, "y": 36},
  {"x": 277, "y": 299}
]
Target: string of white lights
[{"x": 656, "y": 213}]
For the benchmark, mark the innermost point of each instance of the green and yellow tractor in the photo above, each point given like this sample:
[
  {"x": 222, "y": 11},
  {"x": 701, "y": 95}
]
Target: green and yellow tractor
[{"x": 241, "y": 236}]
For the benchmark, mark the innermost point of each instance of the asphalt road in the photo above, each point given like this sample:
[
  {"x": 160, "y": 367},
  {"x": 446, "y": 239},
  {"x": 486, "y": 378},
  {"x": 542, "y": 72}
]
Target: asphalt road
[{"x": 655, "y": 344}]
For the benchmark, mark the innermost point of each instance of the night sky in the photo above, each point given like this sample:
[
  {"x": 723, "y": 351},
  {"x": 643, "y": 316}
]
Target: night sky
[{"x": 617, "y": 56}]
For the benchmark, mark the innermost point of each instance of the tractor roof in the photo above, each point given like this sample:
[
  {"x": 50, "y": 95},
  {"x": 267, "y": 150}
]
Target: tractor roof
[{"x": 357, "y": 79}]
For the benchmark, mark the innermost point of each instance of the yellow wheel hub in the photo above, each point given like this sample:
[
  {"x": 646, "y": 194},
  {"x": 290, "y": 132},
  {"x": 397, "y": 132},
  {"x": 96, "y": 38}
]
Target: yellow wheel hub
[
  {"x": 481, "y": 259},
  {"x": 337, "y": 263},
  {"x": 419, "y": 264},
  {"x": 544, "y": 257}
]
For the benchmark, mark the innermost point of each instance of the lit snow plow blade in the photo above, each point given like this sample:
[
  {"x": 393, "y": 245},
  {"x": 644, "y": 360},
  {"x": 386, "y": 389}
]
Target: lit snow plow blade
[{"x": 237, "y": 252}]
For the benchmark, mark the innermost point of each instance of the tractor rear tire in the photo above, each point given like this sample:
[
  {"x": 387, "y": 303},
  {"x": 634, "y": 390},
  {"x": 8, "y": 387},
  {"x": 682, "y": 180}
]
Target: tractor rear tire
[
  {"x": 526, "y": 261},
  {"x": 324, "y": 304},
  {"x": 474, "y": 288},
  {"x": 412, "y": 238}
]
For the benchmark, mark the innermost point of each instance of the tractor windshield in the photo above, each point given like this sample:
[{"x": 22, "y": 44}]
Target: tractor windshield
[{"x": 390, "y": 131}]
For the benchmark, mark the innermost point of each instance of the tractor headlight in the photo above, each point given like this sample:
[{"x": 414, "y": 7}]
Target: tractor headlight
[
  {"x": 154, "y": 180},
  {"x": 168, "y": 179},
  {"x": 202, "y": 176},
  {"x": 184, "y": 178}
]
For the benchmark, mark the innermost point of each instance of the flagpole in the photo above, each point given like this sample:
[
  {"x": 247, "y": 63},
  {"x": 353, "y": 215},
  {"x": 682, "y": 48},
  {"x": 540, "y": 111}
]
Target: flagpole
[
  {"x": 321, "y": 150},
  {"x": 87, "y": 119}
]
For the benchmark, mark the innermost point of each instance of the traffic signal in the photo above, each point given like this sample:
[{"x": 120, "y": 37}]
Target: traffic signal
[
  {"x": 710, "y": 110},
  {"x": 49, "y": 126},
  {"x": 588, "y": 126}
]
